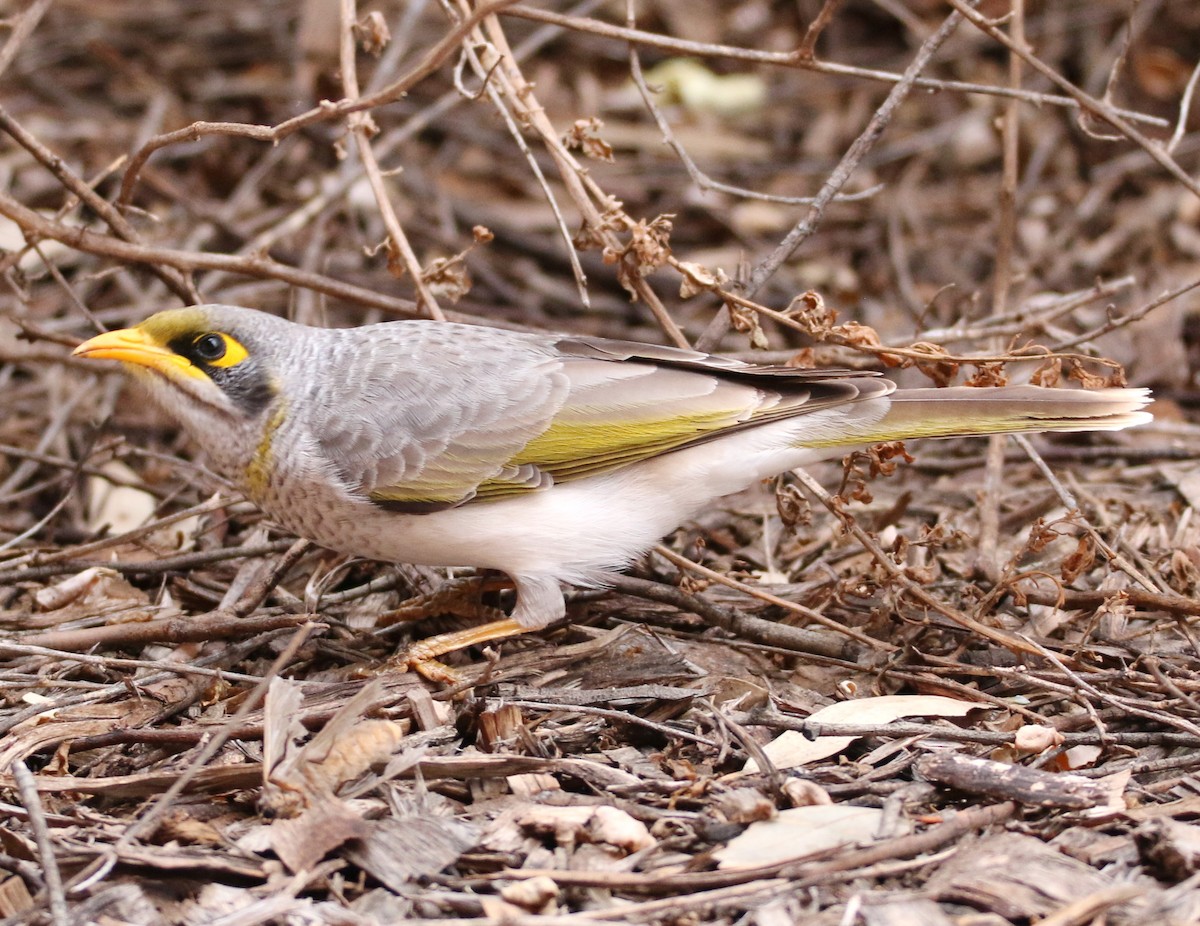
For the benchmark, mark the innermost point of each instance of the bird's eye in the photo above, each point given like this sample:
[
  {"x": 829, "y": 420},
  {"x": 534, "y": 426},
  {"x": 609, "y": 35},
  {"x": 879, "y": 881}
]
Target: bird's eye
[{"x": 209, "y": 347}]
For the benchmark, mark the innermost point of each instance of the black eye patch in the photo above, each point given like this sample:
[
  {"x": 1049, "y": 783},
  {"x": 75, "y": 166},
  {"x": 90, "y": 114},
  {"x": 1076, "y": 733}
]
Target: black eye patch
[{"x": 225, "y": 361}]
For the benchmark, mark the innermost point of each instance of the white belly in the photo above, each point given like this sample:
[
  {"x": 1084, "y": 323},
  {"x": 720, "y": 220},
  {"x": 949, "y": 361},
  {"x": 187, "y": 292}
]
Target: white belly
[{"x": 570, "y": 531}]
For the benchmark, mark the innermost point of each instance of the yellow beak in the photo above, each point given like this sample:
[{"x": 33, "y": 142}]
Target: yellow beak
[{"x": 132, "y": 345}]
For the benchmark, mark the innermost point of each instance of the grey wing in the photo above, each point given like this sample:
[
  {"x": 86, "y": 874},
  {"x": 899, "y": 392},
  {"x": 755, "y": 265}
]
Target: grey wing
[
  {"x": 435, "y": 416},
  {"x": 429, "y": 414}
]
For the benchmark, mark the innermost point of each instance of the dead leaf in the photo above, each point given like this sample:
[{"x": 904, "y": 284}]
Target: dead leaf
[
  {"x": 698, "y": 279},
  {"x": 690, "y": 83},
  {"x": 584, "y": 134},
  {"x": 572, "y": 825},
  {"x": 535, "y": 894},
  {"x": 303, "y": 841},
  {"x": 303, "y": 776},
  {"x": 1081, "y": 756},
  {"x": 401, "y": 849},
  {"x": 801, "y": 832},
  {"x": 372, "y": 33},
  {"x": 80, "y": 585},
  {"x": 792, "y": 748},
  {"x": 114, "y": 502},
  {"x": 1033, "y": 738}
]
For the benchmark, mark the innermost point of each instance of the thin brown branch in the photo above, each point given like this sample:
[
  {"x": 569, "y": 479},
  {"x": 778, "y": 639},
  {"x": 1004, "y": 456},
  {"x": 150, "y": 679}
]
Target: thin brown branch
[
  {"x": 701, "y": 179},
  {"x": 148, "y": 822},
  {"x": 27, "y": 789},
  {"x": 808, "y": 45},
  {"x": 23, "y": 28},
  {"x": 362, "y": 128},
  {"x": 1124, "y": 321},
  {"x": 921, "y": 352},
  {"x": 584, "y": 191},
  {"x": 497, "y": 99},
  {"x": 743, "y": 626},
  {"x": 81, "y": 239},
  {"x": 791, "y": 59},
  {"x": 1087, "y": 102},
  {"x": 807, "y": 614},
  {"x": 1185, "y": 109},
  {"x": 866, "y": 140},
  {"x": 176, "y": 282},
  {"x": 897, "y": 574},
  {"x": 1006, "y": 232},
  {"x": 327, "y": 111},
  {"x": 160, "y": 566},
  {"x": 833, "y": 184},
  {"x": 9, "y": 649},
  {"x": 185, "y": 628}
]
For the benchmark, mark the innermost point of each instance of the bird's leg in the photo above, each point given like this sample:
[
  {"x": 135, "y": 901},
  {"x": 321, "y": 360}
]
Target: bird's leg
[
  {"x": 539, "y": 602},
  {"x": 457, "y": 597}
]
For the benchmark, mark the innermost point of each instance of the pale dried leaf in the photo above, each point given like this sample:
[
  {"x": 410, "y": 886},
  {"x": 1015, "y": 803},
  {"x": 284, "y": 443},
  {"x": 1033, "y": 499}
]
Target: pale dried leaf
[
  {"x": 1082, "y": 756},
  {"x": 687, "y": 81},
  {"x": 303, "y": 841},
  {"x": 344, "y": 748},
  {"x": 398, "y": 850},
  {"x": 535, "y": 894},
  {"x": 1032, "y": 738},
  {"x": 792, "y": 748},
  {"x": 799, "y": 832},
  {"x": 119, "y": 508},
  {"x": 572, "y": 825},
  {"x": 71, "y": 588}
]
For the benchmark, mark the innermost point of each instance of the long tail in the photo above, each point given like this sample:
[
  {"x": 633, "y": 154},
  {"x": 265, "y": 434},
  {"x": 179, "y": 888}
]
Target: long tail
[{"x": 963, "y": 411}]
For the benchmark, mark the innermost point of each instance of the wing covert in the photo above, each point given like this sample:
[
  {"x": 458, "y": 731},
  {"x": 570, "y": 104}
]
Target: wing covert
[
  {"x": 445, "y": 415},
  {"x": 432, "y": 413}
]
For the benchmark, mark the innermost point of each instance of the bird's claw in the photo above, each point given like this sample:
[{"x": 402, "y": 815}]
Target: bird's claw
[{"x": 421, "y": 656}]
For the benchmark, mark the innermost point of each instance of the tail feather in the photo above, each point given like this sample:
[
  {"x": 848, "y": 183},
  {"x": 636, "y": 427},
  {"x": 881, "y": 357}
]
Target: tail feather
[{"x": 964, "y": 411}]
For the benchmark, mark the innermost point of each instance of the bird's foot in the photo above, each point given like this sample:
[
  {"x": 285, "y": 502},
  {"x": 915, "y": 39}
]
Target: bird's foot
[
  {"x": 421, "y": 656},
  {"x": 539, "y": 601}
]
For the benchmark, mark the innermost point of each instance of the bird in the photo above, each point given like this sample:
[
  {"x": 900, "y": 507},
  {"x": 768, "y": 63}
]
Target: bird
[{"x": 551, "y": 458}]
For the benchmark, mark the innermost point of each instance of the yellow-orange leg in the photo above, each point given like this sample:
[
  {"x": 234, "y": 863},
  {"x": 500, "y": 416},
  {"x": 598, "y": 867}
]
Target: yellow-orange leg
[{"x": 422, "y": 655}]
